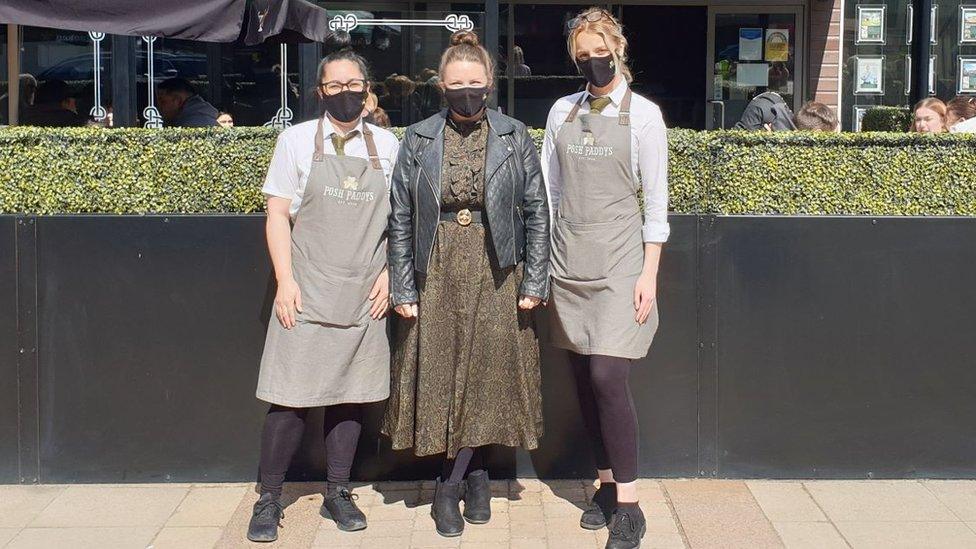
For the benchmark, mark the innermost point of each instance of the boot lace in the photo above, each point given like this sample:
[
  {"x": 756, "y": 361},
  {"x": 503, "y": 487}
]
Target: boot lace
[
  {"x": 623, "y": 526},
  {"x": 344, "y": 500},
  {"x": 267, "y": 509}
]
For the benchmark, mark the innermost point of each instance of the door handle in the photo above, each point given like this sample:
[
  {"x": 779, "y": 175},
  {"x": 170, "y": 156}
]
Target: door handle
[{"x": 722, "y": 105}]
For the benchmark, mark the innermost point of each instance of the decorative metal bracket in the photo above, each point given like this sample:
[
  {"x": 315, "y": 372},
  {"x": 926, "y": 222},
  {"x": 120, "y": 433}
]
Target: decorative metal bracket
[
  {"x": 98, "y": 111},
  {"x": 451, "y": 22},
  {"x": 151, "y": 113},
  {"x": 282, "y": 118}
]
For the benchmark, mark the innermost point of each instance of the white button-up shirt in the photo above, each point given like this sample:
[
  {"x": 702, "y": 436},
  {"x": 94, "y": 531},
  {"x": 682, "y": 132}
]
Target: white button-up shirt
[
  {"x": 648, "y": 152},
  {"x": 292, "y": 160}
]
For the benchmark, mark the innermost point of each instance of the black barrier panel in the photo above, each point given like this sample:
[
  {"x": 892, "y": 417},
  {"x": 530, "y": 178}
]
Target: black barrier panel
[
  {"x": 150, "y": 329},
  {"x": 846, "y": 347},
  {"x": 665, "y": 384},
  {"x": 9, "y": 436}
]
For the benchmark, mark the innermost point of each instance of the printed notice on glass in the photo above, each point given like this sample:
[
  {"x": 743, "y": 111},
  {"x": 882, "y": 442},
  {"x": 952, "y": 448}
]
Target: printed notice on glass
[
  {"x": 752, "y": 74},
  {"x": 750, "y": 44},
  {"x": 777, "y": 45}
]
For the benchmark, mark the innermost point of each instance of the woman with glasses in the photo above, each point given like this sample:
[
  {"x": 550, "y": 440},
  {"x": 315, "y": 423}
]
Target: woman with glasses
[
  {"x": 602, "y": 148},
  {"x": 469, "y": 256},
  {"x": 328, "y": 208}
]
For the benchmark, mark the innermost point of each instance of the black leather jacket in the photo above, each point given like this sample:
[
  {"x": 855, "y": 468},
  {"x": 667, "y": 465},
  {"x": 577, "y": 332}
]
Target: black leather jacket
[{"x": 515, "y": 204}]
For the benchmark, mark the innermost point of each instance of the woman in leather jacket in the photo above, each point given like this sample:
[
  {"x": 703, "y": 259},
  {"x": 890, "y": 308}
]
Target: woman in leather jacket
[{"x": 469, "y": 260}]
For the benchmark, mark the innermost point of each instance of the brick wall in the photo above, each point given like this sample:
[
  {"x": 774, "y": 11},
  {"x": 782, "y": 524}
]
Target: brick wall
[{"x": 825, "y": 43}]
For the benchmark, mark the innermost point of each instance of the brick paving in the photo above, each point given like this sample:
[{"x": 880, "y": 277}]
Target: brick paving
[{"x": 526, "y": 514}]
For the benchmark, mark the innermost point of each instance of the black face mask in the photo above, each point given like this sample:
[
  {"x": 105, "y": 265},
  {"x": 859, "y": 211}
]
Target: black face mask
[
  {"x": 345, "y": 106},
  {"x": 599, "y": 71},
  {"x": 466, "y": 102}
]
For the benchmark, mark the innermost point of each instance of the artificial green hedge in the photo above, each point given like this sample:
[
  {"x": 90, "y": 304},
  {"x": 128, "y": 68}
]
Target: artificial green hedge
[
  {"x": 887, "y": 119},
  {"x": 136, "y": 171}
]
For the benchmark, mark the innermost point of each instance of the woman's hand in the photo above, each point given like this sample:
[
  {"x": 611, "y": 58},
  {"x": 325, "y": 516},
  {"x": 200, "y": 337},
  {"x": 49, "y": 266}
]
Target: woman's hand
[
  {"x": 645, "y": 292},
  {"x": 408, "y": 310},
  {"x": 380, "y": 296},
  {"x": 288, "y": 300},
  {"x": 527, "y": 302}
]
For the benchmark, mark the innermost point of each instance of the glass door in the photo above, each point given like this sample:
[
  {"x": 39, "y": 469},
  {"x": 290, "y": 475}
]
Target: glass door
[{"x": 752, "y": 50}]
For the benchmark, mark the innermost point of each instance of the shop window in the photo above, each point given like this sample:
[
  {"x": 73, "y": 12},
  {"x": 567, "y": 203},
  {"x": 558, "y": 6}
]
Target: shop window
[{"x": 73, "y": 76}]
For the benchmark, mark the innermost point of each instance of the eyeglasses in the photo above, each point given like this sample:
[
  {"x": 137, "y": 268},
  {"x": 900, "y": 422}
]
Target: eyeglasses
[
  {"x": 590, "y": 16},
  {"x": 334, "y": 87}
]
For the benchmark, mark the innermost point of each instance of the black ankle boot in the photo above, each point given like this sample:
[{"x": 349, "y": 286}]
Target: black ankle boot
[
  {"x": 340, "y": 507},
  {"x": 627, "y": 527},
  {"x": 600, "y": 508},
  {"x": 477, "y": 498},
  {"x": 268, "y": 512},
  {"x": 446, "y": 510}
]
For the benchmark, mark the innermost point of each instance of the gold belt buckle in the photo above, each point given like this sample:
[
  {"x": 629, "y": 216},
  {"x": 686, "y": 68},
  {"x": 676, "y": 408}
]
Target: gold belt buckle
[{"x": 464, "y": 217}]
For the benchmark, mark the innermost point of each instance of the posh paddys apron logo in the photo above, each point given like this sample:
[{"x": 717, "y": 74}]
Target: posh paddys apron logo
[
  {"x": 349, "y": 193},
  {"x": 587, "y": 147}
]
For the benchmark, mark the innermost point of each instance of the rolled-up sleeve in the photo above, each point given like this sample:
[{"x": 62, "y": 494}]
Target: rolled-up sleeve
[
  {"x": 282, "y": 180},
  {"x": 653, "y": 165}
]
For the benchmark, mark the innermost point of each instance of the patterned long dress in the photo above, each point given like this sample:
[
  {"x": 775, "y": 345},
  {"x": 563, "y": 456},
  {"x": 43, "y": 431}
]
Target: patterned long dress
[{"x": 466, "y": 372}]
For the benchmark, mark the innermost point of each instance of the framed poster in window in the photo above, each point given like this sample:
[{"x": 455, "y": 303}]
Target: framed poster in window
[
  {"x": 967, "y": 24},
  {"x": 932, "y": 75},
  {"x": 934, "y": 27},
  {"x": 869, "y": 75},
  {"x": 870, "y": 25},
  {"x": 967, "y": 74}
]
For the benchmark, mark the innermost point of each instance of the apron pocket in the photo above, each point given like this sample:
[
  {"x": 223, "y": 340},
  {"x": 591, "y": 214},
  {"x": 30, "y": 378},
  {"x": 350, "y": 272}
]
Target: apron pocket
[
  {"x": 334, "y": 296},
  {"x": 579, "y": 251}
]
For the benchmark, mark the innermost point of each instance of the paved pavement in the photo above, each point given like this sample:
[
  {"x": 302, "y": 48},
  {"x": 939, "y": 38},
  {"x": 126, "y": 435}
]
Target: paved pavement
[{"x": 526, "y": 514}]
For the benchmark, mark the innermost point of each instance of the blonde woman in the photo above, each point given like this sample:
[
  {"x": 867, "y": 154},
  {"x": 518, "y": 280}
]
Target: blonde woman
[
  {"x": 930, "y": 116},
  {"x": 469, "y": 260},
  {"x": 601, "y": 146}
]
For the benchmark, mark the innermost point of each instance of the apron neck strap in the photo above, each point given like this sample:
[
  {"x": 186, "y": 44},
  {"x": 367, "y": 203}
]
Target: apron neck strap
[
  {"x": 572, "y": 114},
  {"x": 624, "y": 116},
  {"x": 374, "y": 157}
]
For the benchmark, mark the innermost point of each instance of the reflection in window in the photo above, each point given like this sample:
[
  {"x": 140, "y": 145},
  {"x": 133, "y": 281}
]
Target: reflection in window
[
  {"x": 545, "y": 72},
  {"x": 244, "y": 81},
  {"x": 63, "y": 64}
]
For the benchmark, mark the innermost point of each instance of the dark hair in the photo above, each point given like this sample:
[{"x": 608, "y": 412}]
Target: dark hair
[
  {"x": 344, "y": 55},
  {"x": 53, "y": 92},
  {"x": 815, "y": 116},
  {"x": 962, "y": 107},
  {"x": 176, "y": 85}
]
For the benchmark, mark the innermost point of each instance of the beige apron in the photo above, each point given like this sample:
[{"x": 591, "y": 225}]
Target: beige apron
[
  {"x": 598, "y": 248},
  {"x": 336, "y": 353}
]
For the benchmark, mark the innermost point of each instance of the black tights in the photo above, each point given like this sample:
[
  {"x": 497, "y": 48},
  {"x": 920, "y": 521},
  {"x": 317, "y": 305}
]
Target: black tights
[
  {"x": 603, "y": 386},
  {"x": 282, "y": 435},
  {"x": 467, "y": 460}
]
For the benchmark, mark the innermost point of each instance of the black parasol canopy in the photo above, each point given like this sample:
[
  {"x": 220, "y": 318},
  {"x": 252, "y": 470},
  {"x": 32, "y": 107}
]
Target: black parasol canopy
[{"x": 203, "y": 20}]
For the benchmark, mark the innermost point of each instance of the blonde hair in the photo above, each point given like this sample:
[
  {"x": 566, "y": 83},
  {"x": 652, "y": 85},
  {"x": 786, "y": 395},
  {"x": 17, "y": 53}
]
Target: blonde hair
[
  {"x": 933, "y": 104},
  {"x": 465, "y": 46},
  {"x": 608, "y": 28}
]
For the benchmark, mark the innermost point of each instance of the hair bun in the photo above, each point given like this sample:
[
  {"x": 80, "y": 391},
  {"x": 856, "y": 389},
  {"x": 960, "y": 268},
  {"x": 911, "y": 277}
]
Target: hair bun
[{"x": 465, "y": 37}]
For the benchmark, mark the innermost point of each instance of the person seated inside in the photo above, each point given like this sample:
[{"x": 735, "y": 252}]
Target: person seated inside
[
  {"x": 768, "y": 111},
  {"x": 930, "y": 116},
  {"x": 225, "y": 119},
  {"x": 961, "y": 115},
  {"x": 28, "y": 89},
  {"x": 182, "y": 107},
  {"x": 55, "y": 106},
  {"x": 815, "y": 117}
]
